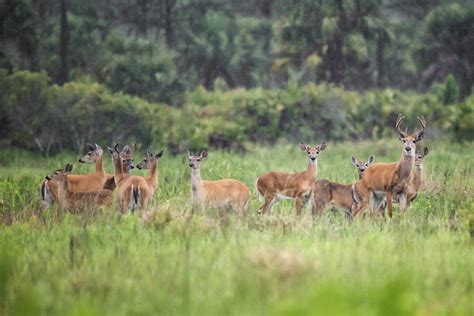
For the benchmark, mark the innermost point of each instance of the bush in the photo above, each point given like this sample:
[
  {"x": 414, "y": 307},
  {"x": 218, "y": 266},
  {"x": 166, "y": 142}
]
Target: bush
[{"x": 48, "y": 117}]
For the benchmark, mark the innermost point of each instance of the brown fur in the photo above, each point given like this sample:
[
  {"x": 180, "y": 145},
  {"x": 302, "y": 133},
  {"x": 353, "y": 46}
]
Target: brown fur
[
  {"x": 78, "y": 201},
  {"x": 221, "y": 193},
  {"x": 297, "y": 186},
  {"x": 325, "y": 192},
  {"x": 92, "y": 181},
  {"x": 389, "y": 178},
  {"x": 133, "y": 191},
  {"x": 339, "y": 195}
]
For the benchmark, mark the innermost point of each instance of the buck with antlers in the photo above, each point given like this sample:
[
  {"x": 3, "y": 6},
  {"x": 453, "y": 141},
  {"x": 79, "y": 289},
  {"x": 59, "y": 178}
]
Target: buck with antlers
[
  {"x": 389, "y": 178},
  {"x": 275, "y": 185},
  {"x": 416, "y": 181},
  {"x": 221, "y": 193},
  {"x": 339, "y": 195},
  {"x": 76, "y": 201},
  {"x": 134, "y": 192}
]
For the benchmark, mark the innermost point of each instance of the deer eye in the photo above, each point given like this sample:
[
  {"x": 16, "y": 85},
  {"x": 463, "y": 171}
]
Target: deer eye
[{"x": 198, "y": 159}]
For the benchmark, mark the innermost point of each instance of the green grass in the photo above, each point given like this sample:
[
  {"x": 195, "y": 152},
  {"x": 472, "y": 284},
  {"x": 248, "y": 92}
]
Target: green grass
[{"x": 215, "y": 263}]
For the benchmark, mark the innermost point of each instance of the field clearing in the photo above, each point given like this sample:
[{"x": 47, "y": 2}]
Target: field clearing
[{"x": 215, "y": 263}]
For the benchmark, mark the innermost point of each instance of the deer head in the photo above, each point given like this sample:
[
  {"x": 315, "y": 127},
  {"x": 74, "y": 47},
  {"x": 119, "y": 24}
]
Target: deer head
[
  {"x": 410, "y": 140},
  {"x": 149, "y": 160},
  {"x": 420, "y": 157},
  {"x": 195, "y": 161},
  {"x": 126, "y": 154},
  {"x": 94, "y": 153},
  {"x": 313, "y": 152},
  {"x": 59, "y": 174},
  {"x": 362, "y": 165}
]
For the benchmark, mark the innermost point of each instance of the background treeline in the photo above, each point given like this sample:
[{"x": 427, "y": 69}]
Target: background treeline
[
  {"x": 175, "y": 69},
  {"x": 39, "y": 115}
]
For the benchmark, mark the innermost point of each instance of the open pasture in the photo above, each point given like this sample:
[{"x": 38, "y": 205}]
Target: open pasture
[{"x": 214, "y": 263}]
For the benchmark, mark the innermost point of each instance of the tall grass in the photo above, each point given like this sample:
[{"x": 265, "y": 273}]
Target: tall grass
[{"x": 213, "y": 262}]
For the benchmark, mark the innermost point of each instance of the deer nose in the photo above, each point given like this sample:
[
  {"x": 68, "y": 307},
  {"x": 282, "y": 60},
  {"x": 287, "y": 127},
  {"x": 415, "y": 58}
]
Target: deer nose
[
  {"x": 191, "y": 165},
  {"x": 80, "y": 160},
  {"x": 408, "y": 149},
  {"x": 313, "y": 158}
]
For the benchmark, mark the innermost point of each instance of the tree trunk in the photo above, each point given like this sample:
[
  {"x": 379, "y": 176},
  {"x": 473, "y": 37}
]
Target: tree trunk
[
  {"x": 168, "y": 22},
  {"x": 63, "y": 73},
  {"x": 336, "y": 59},
  {"x": 380, "y": 61}
]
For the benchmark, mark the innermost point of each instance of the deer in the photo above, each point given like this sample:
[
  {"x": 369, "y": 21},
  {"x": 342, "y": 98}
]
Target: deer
[
  {"x": 134, "y": 192},
  {"x": 80, "y": 183},
  {"x": 127, "y": 154},
  {"x": 150, "y": 162},
  {"x": 77, "y": 201},
  {"x": 340, "y": 195},
  {"x": 225, "y": 193},
  {"x": 92, "y": 181},
  {"x": 274, "y": 185},
  {"x": 389, "y": 178},
  {"x": 49, "y": 189},
  {"x": 416, "y": 181}
]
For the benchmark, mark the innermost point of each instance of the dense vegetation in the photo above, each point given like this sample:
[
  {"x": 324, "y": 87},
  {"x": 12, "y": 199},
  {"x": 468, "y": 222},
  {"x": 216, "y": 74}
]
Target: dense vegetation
[
  {"x": 42, "y": 116},
  {"x": 213, "y": 263}
]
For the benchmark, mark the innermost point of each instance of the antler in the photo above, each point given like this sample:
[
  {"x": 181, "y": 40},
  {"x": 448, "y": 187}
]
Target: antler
[
  {"x": 134, "y": 147},
  {"x": 397, "y": 124},
  {"x": 422, "y": 121}
]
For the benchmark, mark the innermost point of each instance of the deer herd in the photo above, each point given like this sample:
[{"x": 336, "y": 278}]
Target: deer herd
[{"x": 378, "y": 187}]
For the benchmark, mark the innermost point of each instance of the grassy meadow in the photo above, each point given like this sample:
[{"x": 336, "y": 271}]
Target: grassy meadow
[{"x": 214, "y": 263}]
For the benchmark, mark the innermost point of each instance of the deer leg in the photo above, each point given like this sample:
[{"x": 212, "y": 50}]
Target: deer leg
[
  {"x": 403, "y": 203},
  {"x": 298, "y": 205},
  {"x": 269, "y": 200}
]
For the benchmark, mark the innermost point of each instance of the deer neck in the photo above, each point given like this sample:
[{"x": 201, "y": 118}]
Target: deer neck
[
  {"x": 312, "y": 169},
  {"x": 153, "y": 177},
  {"x": 405, "y": 167},
  {"x": 196, "y": 184},
  {"x": 62, "y": 191},
  {"x": 99, "y": 165},
  {"x": 118, "y": 174},
  {"x": 417, "y": 179}
]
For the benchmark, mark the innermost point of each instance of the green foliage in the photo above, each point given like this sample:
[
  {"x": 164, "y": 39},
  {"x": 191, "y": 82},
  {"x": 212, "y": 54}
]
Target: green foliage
[
  {"x": 69, "y": 116},
  {"x": 448, "y": 91}
]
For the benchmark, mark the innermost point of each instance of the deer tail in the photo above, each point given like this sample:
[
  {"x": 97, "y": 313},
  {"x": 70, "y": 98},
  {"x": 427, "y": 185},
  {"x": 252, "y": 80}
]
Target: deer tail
[{"x": 135, "y": 196}]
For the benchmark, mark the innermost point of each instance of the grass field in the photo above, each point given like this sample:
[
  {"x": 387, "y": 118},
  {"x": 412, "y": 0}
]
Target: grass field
[{"x": 213, "y": 263}]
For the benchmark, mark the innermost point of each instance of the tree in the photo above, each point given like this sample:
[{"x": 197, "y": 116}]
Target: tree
[{"x": 447, "y": 46}]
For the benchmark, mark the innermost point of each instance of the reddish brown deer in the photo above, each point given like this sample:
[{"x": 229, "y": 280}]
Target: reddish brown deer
[
  {"x": 339, "y": 195},
  {"x": 389, "y": 178},
  {"x": 221, "y": 193},
  {"x": 49, "y": 189},
  {"x": 416, "y": 181},
  {"x": 77, "y": 201},
  {"x": 150, "y": 162},
  {"x": 134, "y": 192},
  {"x": 276, "y": 185},
  {"x": 127, "y": 155},
  {"x": 92, "y": 181}
]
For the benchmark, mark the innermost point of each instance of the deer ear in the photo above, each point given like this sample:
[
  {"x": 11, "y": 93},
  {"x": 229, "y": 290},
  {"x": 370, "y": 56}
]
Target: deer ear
[
  {"x": 303, "y": 146},
  {"x": 158, "y": 155},
  {"x": 420, "y": 136},
  {"x": 189, "y": 154},
  {"x": 371, "y": 159},
  {"x": 90, "y": 146},
  {"x": 97, "y": 146},
  {"x": 425, "y": 151},
  {"x": 203, "y": 153},
  {"x": 322, "y": 146},
  {"x": 353, "y": 160}
]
